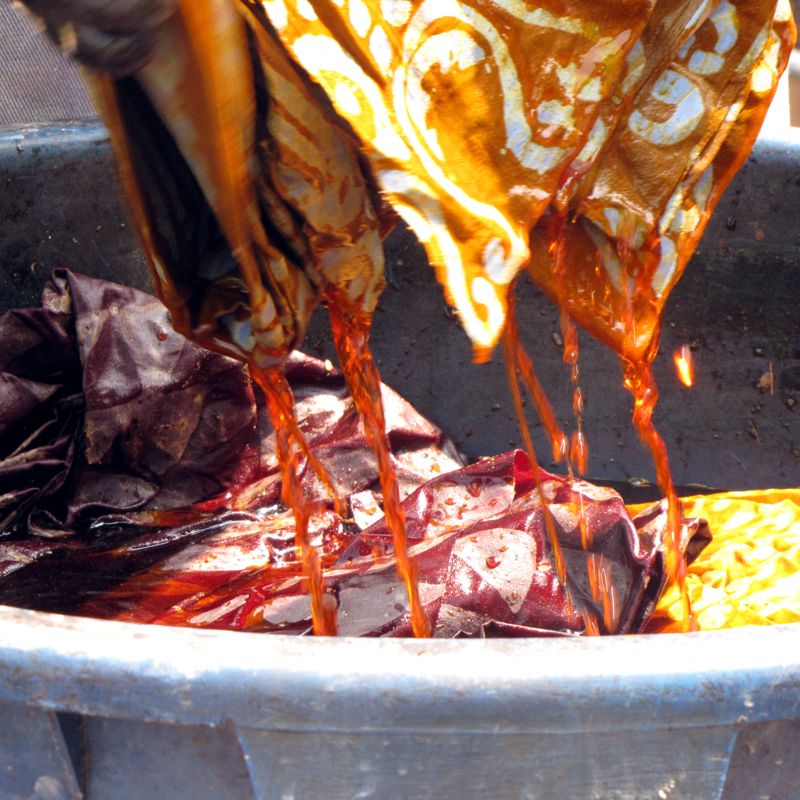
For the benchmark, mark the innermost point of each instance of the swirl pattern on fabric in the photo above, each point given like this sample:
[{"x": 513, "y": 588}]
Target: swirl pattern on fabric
[
  {"x": 501, "y": 132},
  {"x": 482, "y": 119}
]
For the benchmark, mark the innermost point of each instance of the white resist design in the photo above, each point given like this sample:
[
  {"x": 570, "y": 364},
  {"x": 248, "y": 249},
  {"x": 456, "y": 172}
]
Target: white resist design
[
  {"x": 683, "y": 94},
  {"x": 512, "y": 555},
  {"x": 445, "y": 93}
]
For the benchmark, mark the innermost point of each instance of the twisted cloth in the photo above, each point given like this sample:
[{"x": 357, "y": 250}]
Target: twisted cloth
[{"x": 585, "y": 141}]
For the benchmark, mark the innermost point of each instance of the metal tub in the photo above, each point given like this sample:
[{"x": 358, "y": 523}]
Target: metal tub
[{"x": 105, "y": 710}]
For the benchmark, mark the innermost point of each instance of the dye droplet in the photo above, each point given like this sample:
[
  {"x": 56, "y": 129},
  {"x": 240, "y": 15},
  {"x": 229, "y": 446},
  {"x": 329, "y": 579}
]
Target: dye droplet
[
  {"x": 579, "y": 452},
  {"x": 492, "y": 562},
  {"x": 684, "y": 365}
]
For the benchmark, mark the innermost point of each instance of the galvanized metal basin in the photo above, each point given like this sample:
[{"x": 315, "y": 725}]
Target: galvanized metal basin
[
  {"x": 178, "y": 713},
  {"x": 106, "y": 710}
]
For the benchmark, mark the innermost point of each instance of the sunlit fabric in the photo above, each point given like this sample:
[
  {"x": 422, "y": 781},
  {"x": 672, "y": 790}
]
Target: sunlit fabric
[
  {"x": 750, "y": 572},
  {"x": 585, "y": 141},
  {"x": 479, "y": 537},
  {"x": 140, "y": 474}
]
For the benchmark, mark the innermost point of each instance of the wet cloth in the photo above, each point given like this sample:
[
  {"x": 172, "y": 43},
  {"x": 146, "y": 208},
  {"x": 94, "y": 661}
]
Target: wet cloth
[
  {"x": 585, "y": 142},
  {"x": 139, "y": 481}
]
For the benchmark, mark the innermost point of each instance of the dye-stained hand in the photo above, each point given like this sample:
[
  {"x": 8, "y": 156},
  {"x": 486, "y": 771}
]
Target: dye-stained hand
[{"x": 115, "y": 36}]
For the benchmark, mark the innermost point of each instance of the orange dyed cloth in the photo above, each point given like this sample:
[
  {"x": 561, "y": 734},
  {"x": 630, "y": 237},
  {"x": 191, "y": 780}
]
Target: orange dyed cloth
[
  {"x": 586, "y": 141},
  {"x": 482, "y": 120}
]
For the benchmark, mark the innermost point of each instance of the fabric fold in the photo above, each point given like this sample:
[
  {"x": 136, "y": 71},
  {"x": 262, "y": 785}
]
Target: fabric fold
[{"x": 583, "y": 143}]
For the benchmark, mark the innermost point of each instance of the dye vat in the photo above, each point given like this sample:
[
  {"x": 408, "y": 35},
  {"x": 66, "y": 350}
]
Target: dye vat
[{"x": 110, "y": 710}]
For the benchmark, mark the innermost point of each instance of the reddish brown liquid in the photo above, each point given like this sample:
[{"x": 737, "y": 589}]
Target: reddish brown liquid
[
  {"x": 519, "y": 365},
  {"x": 639, "y": 381},
  {"x": 511, "y": 350},
  {"x": 351, "y": 338},
  {"x": 289, "y": 442},
  {"x": 579, "y": 449}
]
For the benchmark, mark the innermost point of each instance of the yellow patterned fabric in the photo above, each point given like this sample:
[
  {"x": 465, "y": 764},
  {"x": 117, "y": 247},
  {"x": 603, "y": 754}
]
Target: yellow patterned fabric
[
  {"x": 750, "y": 572},
  {"x": 482, "y": 119},
  {"x": 585, "y": 141}
]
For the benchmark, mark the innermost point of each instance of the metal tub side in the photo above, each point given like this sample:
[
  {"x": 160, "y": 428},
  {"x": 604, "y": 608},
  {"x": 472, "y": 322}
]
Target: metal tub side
[
  {"x": 107, "y": 710},
  {"x": 633, "y": 717}
]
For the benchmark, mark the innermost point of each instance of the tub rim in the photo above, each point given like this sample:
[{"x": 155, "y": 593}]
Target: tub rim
[{"x": 269, "y": 681}]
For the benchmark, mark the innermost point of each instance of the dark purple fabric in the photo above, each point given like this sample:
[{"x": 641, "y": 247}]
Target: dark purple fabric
[
  {"x": 138, "y": 480},
  {"x": 97, "y": 387},
  {"x": 109, "y": 419},
  {"x": 99, "y": 393},
  {"x": 486, "y": 567}
]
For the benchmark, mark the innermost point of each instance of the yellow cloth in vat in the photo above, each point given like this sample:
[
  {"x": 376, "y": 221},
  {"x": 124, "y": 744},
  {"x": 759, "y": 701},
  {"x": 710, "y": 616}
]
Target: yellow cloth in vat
[{"x": 750, "y": 572}]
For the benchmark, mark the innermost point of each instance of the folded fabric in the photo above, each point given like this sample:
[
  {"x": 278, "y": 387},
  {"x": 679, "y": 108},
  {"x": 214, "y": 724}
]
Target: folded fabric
[
  {"x": 586, "y": 142},
  {"x": 105, "y": 409},
  {"x": 140, "y": 482},
  {"x": 250, "y": 201},
  {"x": 485, "y": 565}
]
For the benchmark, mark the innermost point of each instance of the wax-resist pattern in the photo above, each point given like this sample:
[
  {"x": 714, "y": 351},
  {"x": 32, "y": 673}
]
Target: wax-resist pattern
[
  {"x": 482, "y": 120},
  {"x": 583, "y": 141}
]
